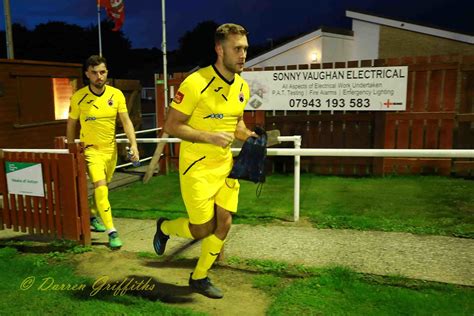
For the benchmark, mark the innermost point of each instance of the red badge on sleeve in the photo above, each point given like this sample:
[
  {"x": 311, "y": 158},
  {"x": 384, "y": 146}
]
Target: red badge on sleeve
[{"x": 178, "y": 97}]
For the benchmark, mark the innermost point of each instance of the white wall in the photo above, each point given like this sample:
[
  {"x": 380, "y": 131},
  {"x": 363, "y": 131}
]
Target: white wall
[
  {"x": 298, "y": 55},
  {"x": 336, "y": 48},
  {"x": 329, "y": 47},
  {"x": 289, "y": 54},
  {"x": 366, "y": 40}
]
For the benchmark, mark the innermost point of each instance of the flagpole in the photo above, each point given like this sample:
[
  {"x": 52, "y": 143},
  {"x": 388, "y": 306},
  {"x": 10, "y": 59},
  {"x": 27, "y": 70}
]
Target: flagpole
[
  {"x": 163, "y": 45},
  {"x": 99, "y": 28},
  {"x": 8, "y": 29}
]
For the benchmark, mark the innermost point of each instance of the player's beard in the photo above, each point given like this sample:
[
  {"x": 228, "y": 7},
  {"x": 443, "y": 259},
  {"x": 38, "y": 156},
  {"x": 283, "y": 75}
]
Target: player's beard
[
  {"x": 99, "y": 85},
  {"x": 231, "y": 66}
]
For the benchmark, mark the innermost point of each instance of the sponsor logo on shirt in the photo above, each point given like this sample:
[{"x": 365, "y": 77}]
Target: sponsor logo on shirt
[
  {"x": 241, "y": 97},
  {"x": 178, "y": 98},
  {"x": 110, "y": 102},
  {"x": 215, "y": 116},
  {"x": 90, "y": 118}
]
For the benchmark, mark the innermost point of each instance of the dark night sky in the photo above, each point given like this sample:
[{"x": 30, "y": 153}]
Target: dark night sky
[{"x": 265, "y": 19}]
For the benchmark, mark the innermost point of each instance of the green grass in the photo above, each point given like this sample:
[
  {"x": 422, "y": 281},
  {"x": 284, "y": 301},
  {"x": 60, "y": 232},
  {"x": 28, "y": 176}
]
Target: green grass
[
  {"x": 41, "y": 299},
  {"x": 341, "y": 292},
  {"x": 159, "y": 197},
  {"x": 299, "y": 290},
  {"x": 293, "y": 290},
  {"x": 417, "y": 204}
]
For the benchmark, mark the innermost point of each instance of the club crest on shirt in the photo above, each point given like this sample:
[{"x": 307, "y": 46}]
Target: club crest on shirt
[
  {"x": 178, "y": 98},
  {"x": 241, "y": 97},
  {"x": 110, "y": 102}
]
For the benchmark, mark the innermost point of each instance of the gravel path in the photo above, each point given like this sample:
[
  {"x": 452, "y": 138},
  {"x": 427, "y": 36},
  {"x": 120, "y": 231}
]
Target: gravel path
[{"x": 433, "y": 258}]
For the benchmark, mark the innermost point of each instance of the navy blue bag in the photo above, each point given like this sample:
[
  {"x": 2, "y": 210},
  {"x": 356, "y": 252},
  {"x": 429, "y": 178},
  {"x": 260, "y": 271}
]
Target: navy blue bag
[{"x": 250, "y": 163}]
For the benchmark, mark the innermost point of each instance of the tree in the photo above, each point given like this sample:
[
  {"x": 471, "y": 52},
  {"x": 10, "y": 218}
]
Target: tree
[
  {"x": 64, "y": 42},
  {"x": 196, "y": 47},
  {"x": 59, "y": 41},
  {"x": 144, "y": 64},
  {"x": 115, "y": 47},
  {"x": 21, "y": 42}
]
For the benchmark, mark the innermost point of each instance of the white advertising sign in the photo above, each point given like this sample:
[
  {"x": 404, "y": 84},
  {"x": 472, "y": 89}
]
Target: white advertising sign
[
  {"x": 345, "y": 89},
  {"x": 25, "y": 178}
]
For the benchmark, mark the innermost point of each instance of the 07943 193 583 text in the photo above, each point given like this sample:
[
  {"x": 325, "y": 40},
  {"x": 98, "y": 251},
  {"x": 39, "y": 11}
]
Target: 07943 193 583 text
[{"x": 329, "y": 103}]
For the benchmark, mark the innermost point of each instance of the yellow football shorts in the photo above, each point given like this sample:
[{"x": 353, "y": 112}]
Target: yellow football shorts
[
  {"x": 101, "y": 162},
  {"x": 204, "y": 183}
]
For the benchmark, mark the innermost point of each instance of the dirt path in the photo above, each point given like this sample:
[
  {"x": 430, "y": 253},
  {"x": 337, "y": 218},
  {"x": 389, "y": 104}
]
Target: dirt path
[
  {"x": 170, "y": 282},
  {"x": 433, "y": 258},
  {"x": 426, "y": 257}
]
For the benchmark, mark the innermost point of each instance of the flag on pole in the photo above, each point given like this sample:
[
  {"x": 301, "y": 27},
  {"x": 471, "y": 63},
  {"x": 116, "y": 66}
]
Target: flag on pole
[{"x": 115, "y": 11}]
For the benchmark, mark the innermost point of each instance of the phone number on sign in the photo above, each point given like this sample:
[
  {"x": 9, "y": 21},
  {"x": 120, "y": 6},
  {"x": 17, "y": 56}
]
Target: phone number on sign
[{"x": 329, "y": 103}]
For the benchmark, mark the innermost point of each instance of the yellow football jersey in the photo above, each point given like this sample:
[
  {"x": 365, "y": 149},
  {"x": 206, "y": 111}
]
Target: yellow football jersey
[
  {"x": 214, "y": 104},
  {"x": 97, "y": 114}
]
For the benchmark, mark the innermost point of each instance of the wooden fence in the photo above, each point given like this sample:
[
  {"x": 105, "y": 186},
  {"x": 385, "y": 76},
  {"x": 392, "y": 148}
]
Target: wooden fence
[
  {"x": 63, "y": 212},
  {"x": 429, "y": 120},
  {"x": 439, "y": 115}
]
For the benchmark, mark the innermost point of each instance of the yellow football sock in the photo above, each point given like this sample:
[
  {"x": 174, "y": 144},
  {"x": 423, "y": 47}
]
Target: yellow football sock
[
  {"x": 101, "y": 195},
  {"x": 178, "y": 227},
  {"x": 211, "y": 246},
  {"x": 93, "y": 208}
]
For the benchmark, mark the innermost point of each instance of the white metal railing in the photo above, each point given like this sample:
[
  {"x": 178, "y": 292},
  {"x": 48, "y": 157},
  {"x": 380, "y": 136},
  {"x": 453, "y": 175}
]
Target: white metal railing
[
  {"x": 142, "y": 131},
  {"x": 150, "y": 140},
  {"x": 131, "y": 163},
  {"x": 297, "y": 152},
  {"x": 125, "y": 140},
  {"x": 295, "y": 139},
  {"x": 143, "y": 141},
  {"x": 46, "y": 151},
  {"x": 330, "y": 152},
  {"x": 397, "y": 153}
]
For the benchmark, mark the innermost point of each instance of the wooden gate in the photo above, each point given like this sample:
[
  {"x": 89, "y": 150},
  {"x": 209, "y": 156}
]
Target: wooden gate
[
  {"x": 63, "y": 212},
  {"x": 429, "y": 119}
]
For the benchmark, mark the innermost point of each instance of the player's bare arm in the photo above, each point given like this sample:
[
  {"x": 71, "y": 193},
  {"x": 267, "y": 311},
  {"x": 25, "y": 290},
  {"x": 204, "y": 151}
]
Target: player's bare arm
[
  {"x": 176, "y": 125},
  {"x": 130, "y": 132},
  {"x": 71, "y": 130},
  {"x": 242, "y": 132}
]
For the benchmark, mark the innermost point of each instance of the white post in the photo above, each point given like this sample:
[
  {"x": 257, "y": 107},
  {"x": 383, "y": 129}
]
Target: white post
[
  {"x": 165, "y": 63},
  {"x": 296, "y": 198},
  {"x": 99, "y": 28},
  {"x": 8, "y": 29}
]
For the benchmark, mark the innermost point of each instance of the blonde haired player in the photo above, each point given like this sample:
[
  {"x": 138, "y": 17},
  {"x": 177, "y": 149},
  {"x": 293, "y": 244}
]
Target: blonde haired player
[
  {"x": 206, "y": 113},
  {"x": 96, "y": 106}
]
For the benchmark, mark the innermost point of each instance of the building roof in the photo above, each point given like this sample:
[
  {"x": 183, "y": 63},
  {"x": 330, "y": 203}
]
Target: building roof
[
  {"x": 300, "y": 40},
  {"x": 411, "y": 26},
  {"x": 367, "y": 17}
]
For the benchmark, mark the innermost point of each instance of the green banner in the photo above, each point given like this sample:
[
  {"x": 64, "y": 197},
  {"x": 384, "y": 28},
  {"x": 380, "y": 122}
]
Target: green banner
[{"x": 15, "y": 166}]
